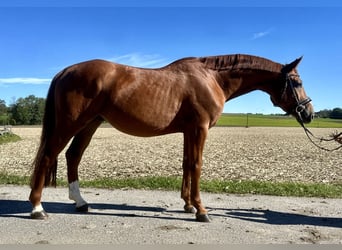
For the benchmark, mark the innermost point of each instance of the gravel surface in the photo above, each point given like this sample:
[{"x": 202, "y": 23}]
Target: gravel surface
[
  {"x": 156, "y": 217},
  {"x": 272, "y": 154}
]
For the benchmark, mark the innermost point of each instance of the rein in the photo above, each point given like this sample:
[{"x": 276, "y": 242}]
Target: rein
[
  {"x": 301, "y": 107},
  {"x": 334, "y": 137}
]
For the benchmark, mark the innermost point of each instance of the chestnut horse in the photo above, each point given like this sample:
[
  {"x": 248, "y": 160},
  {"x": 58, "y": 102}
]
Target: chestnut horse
[{"x": 186, "y": 96}]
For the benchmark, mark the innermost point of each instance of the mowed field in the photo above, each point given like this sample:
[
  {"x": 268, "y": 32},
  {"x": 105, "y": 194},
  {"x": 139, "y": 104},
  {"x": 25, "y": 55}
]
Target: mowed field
[
  {"x": 260, "y": 120},
  {"x": 231, "y": 153}
]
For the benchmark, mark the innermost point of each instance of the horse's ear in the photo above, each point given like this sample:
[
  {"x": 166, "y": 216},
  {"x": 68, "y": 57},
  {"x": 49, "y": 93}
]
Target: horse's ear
[{"x": 289, "y": 67}]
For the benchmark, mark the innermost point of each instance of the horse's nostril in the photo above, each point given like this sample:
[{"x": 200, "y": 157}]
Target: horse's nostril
[{"x": 309, "y": 118}]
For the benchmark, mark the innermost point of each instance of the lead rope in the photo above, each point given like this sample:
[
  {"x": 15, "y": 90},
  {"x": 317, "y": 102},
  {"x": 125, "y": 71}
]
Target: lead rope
[
  {"x": 300, "y": 106},
  {"x": 334, "y": 137}
]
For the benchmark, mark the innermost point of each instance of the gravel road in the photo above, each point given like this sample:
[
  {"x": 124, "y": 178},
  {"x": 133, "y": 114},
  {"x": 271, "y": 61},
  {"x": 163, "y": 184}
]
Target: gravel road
[{"x": 156, "y": 217}]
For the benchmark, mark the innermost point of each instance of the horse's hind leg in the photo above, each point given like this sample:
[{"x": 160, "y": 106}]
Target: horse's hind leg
[
  {"x": 45, "y": 168},
  {"x": 73, "y": 155}
]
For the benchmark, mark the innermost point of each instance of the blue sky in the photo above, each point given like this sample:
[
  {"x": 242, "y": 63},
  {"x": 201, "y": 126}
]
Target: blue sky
[{"x": 38, "y": 42}]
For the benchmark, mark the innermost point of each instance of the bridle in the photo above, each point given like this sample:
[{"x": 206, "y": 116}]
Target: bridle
[
  {"x": 300, "y": 105},
  {"x": 299, "y": 108}
]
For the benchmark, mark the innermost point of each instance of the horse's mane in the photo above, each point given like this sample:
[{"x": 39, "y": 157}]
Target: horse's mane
[{"x": 240, "y": 61}]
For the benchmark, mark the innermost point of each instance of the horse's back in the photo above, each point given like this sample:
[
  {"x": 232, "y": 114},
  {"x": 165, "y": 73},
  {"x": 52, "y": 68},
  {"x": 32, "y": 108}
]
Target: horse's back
[
  {"x": 144, "y": 102},
  {"x": 134, "y": 100}
]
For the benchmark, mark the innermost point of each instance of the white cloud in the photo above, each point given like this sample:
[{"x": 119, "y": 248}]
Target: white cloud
[
  {"x": 140, "y": 60},
  {"x": 25, "y": 80},
  {"x": 261, "y": 34},
  {"x": 132, "y": 59}
]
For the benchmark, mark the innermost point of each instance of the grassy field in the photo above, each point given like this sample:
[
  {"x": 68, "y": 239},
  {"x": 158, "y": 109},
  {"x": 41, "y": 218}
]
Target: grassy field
[
  {"x": 253, "y": 120},
  {"x": 260, "y": 120},
  {"x": 213, "y": 186},
  {"x": 9, "y": 138}
]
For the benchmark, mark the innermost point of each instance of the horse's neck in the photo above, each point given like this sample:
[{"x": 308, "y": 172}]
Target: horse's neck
[{"x": 237, "y": 83}]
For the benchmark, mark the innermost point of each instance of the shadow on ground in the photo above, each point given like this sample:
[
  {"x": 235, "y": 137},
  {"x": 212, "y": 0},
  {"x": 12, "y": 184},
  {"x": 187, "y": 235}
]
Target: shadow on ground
[{"x": 22, "y": 209}]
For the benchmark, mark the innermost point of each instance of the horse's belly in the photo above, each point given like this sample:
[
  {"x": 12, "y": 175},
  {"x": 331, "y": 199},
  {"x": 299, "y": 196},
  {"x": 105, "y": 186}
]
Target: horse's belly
[{"x": 145, "y": 126}]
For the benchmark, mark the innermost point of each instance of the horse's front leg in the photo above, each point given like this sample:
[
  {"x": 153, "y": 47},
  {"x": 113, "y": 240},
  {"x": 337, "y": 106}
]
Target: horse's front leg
[
  {"x": 186, "y": 186},
  {"x": 192, "y": 163}
]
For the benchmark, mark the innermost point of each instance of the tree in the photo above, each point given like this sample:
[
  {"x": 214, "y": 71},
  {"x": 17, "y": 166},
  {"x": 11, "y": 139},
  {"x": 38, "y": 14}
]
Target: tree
[
  {"x": 28, "y": 111},
  {"x": 336, "y": 113},
  {"x": 325, "y": 113},
  {"x": 3, "y": 113},
  {"x": 3, "y": 108}
]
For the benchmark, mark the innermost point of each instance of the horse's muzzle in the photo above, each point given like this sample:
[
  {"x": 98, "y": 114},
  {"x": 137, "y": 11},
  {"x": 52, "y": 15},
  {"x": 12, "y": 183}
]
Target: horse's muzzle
[
  {"x": 304, "y": 111},
  {"x": 305, "y": 116}
]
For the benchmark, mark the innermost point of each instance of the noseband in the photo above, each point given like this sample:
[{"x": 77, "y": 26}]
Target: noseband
[{"x": 300, "y": 105}]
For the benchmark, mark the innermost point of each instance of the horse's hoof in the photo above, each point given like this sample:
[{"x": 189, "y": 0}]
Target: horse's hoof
[
  {"x": 189, "y": 209},
  {"x": 82, "y": 209},
  {"x": 202, "y": 218},
  {"x": 42, "y": 215}
]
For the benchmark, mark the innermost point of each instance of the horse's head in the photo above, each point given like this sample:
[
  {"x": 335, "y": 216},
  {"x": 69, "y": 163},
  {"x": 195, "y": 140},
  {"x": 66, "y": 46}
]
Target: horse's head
[{"x": 291, "y": 96}]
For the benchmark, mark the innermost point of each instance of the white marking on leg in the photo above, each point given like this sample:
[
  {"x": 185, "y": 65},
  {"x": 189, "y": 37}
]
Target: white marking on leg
[
  {"x": 38, "y": 209},
  {"x": 74, "y": 194}
]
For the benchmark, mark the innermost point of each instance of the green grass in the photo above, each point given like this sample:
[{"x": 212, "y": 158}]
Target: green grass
[
  {"x": 9, "y": 137},
  {"x": 6, "y": 179},
  {"x": 212, "y": 186},
  {"x": 240, "y": 120}
]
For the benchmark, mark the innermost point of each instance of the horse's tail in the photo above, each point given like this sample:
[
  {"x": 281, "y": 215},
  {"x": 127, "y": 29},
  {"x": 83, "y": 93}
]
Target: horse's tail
[{"x": 49, "y": 121}]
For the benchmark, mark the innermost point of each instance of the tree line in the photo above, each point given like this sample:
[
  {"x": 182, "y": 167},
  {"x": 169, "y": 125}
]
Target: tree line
[
  {"x": 335, "y": 113},
  {"x": 30, "y": 111},
  {"x": 23, "y": 111}
]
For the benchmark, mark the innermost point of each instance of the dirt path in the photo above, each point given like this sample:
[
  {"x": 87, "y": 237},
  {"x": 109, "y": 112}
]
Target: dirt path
[{"x": 149, "y": 217}]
